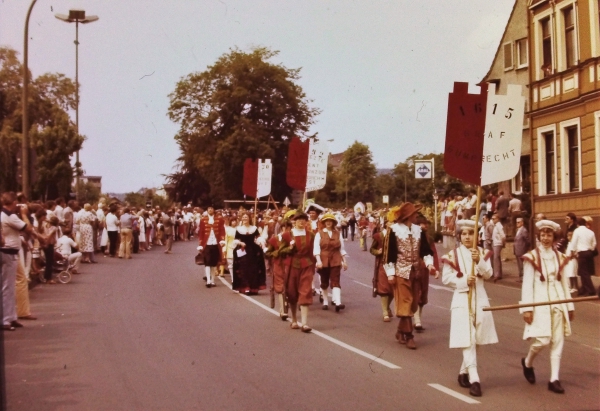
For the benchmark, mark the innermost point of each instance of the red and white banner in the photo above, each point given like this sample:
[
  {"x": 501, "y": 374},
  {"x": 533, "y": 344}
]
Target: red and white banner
[
  {"x": 257, "y": 177},
  {"x": 484, "y": 133},
  {"x": 307, "y": 164}
]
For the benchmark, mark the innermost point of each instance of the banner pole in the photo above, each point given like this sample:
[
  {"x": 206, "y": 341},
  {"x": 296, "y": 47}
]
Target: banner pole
[{"x": 475, "y": 237}]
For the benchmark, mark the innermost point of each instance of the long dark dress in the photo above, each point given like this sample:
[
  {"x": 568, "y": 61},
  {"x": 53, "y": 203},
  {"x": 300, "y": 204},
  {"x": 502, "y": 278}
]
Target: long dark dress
[{"x": 249, "y": 270}]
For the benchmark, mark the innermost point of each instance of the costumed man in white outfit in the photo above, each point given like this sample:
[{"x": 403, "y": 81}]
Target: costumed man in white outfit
[
  {"x": 470, "y": 326},
  {"x": 546, "y": 278},
  {"x": 314, "y": 210}
]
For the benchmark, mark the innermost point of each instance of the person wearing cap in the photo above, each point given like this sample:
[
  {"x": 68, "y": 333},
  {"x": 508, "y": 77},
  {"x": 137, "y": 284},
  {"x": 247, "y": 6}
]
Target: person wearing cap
[
  {"x": 465, "y": 268},
  {"x": 331, "y": 257},
  {"x": 278, "y": 251},
  {"x": 381, "y": 285},
  {"x": 545, "y": 279},
  {"x": 301, "y": 269},
  {"x": 407, "y": 250},
  {"x": 211, "y": 237}
]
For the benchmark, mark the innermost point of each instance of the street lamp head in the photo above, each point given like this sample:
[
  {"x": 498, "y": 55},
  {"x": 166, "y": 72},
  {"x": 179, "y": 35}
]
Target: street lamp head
[{"x": 76, "y": 16}]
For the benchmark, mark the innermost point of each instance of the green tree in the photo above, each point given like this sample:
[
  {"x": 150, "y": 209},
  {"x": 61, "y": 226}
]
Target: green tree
[
  {"x": 356, "y": 175},
  {"x": 87, "y": 193},
  {"x": 242, "y": 106},
  {"x": 53, "y": 135}
]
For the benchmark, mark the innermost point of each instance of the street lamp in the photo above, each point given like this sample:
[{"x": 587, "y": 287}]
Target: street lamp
[
  {"x": 25, "y": 103},
  {"x": 76, "y": 16}
]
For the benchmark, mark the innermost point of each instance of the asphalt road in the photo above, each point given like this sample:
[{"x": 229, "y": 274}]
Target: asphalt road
[{"x": 145, "y": 334}]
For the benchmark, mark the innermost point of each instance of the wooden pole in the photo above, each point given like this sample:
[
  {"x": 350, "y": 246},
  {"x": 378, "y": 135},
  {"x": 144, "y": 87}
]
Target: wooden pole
[
  {"x": 568, "y": 300},
  {"x": 475, "y": 237}
]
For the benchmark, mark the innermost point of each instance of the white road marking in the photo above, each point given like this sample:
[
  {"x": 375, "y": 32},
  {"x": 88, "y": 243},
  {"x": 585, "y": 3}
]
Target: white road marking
[
  {"x": 441, "y": 287},
  {"x": 322, "y": 335},
  {"x": 454, "y": 394},
  {"x": 364, "y": 285}
]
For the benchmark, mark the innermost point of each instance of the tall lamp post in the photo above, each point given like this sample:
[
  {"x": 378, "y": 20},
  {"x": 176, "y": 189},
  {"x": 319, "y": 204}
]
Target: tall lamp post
[
  {"x": 25, "y": 103},
  {"x": 76, "y": 16}
]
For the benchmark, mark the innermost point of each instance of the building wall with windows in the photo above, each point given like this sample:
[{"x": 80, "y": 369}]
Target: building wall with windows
[
  {"x": 511, "y": 66},
  {"x": 565, "y": 108},
  {"x": 565, "y": 112}
]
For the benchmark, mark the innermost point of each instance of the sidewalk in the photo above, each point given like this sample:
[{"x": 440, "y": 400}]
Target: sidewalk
[{"x": 510, "y": 272}]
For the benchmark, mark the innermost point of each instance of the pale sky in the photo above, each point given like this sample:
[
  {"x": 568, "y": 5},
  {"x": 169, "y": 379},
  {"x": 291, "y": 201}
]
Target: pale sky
[{"x": 380, "y": 71}]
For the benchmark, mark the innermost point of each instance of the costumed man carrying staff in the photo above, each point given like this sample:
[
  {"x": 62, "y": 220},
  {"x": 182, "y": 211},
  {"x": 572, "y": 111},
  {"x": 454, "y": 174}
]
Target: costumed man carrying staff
[
  {"x": 545, "y": 279},
  {"x": 314, "y": 210},
  {"x": 278, "y": 250},
  {"x": 211, "y": 237},
  {"x": 470, "y": 326},
  {"x": 381, "y": 285},
  {"x": 407, "y": 250},
  {"x": 298, "y": 286},
  {"x": 331, "y": 257}
]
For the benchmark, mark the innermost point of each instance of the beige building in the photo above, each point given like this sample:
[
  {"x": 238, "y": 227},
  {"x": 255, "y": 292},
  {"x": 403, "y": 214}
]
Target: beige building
[
  {"x": 565, "y": 115},
  {"x": 511, "y": 66}
]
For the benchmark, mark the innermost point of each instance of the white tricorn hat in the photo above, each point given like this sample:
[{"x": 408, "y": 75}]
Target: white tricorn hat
[
  {"x": 547, "y": 224},
  {"x": 470, "y": 224}
]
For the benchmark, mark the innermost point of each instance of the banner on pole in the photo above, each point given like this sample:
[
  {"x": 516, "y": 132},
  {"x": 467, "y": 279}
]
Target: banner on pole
[
  {"x": 484, "y": 133},
  {"x": 318, "y": 156},
  {"x": 297, "y": 163},
  {"x": 250, "y": 177},
  {"x": 265, "y": 170},
  {"x": 307, "y": 164}
]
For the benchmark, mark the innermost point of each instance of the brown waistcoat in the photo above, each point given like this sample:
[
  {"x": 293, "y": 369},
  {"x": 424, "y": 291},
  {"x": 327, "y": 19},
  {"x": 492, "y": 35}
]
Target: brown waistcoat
[{"x": 331, "y": 255}]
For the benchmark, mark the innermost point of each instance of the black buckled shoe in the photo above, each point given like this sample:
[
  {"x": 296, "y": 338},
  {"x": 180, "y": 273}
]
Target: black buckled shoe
[
  {"x": 555, "y": 386},
  {"x": 475, "y": 390},
  {"x": 339, "y": 307},
  {"x": 528, "y": 372},
  {"x": 325, "y": 307},
  {"x": 463, "y": 380}
]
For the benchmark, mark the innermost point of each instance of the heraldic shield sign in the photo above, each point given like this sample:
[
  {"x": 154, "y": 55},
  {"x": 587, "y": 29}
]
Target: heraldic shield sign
[{"x": 484, "y": 133}]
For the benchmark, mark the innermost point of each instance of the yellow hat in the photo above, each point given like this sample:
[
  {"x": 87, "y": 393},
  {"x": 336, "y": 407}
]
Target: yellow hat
[{"x": 330, "y": 217}]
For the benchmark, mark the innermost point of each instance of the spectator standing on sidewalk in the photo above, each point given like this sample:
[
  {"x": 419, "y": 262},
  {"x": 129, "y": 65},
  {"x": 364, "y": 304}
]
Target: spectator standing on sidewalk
[
  {"x": 515, "y": 210},
  {"x": 521, "y": 245},
  {"x": 498, "y": 241},
  {"x": 126, "y": 223},
  {"x": 582, "y": 246},
  {"x": 502, "y": 208},
  {"x": 169, "y": 227},
  {"x": 12, "y": 224}
]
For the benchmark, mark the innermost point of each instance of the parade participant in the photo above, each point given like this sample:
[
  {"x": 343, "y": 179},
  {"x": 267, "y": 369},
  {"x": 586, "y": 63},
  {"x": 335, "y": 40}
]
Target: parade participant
[
  {"x": 469, "y": 324},
  {"x": 278, "y": 251},
  {"x": 545, "y": 279},
  {"x": 407, "y": 250},
  {"x": 422, "y": 283},
  {"x": 301, "y": 270},
  {"x": 381, "y": 285},
  {"x": 314, "y": 210},
  {"x": 248, "y": 259},
  {"x": 582, "y": 248},
  {"x": 211, "y": 237},
  {"x": 331, "y": 257},
  {"x": 229, "y": 245}
]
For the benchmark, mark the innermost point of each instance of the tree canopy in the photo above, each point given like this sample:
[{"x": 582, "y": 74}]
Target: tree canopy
[
  {"x": 53, "y": 135},
  {"x": 242, "y": 106}
]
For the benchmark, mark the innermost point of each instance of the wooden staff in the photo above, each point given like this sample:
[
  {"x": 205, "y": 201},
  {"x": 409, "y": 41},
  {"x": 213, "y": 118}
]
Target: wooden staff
[
  {"x": 476, "y": 236},
  {"x": 568, "y": 300}
]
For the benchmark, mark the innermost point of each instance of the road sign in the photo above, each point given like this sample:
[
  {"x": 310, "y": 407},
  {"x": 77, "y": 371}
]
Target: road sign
[
  {"x": 424, "y": 169},
  {"x": 386, "y": 199}
]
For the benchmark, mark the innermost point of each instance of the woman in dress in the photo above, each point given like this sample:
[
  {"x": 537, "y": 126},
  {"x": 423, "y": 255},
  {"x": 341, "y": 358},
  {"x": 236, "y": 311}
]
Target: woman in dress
[
  {"x": 86, "y": 233},
  {"x": 248, "y": 259}
]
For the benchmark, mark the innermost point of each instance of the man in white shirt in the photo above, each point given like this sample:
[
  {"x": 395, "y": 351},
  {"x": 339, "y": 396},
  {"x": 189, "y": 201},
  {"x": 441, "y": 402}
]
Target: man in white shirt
[
  {"x": 582, "y": 246},
  {"x": 498, "y": 240},
  {"x": 64, "y": 246}
]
